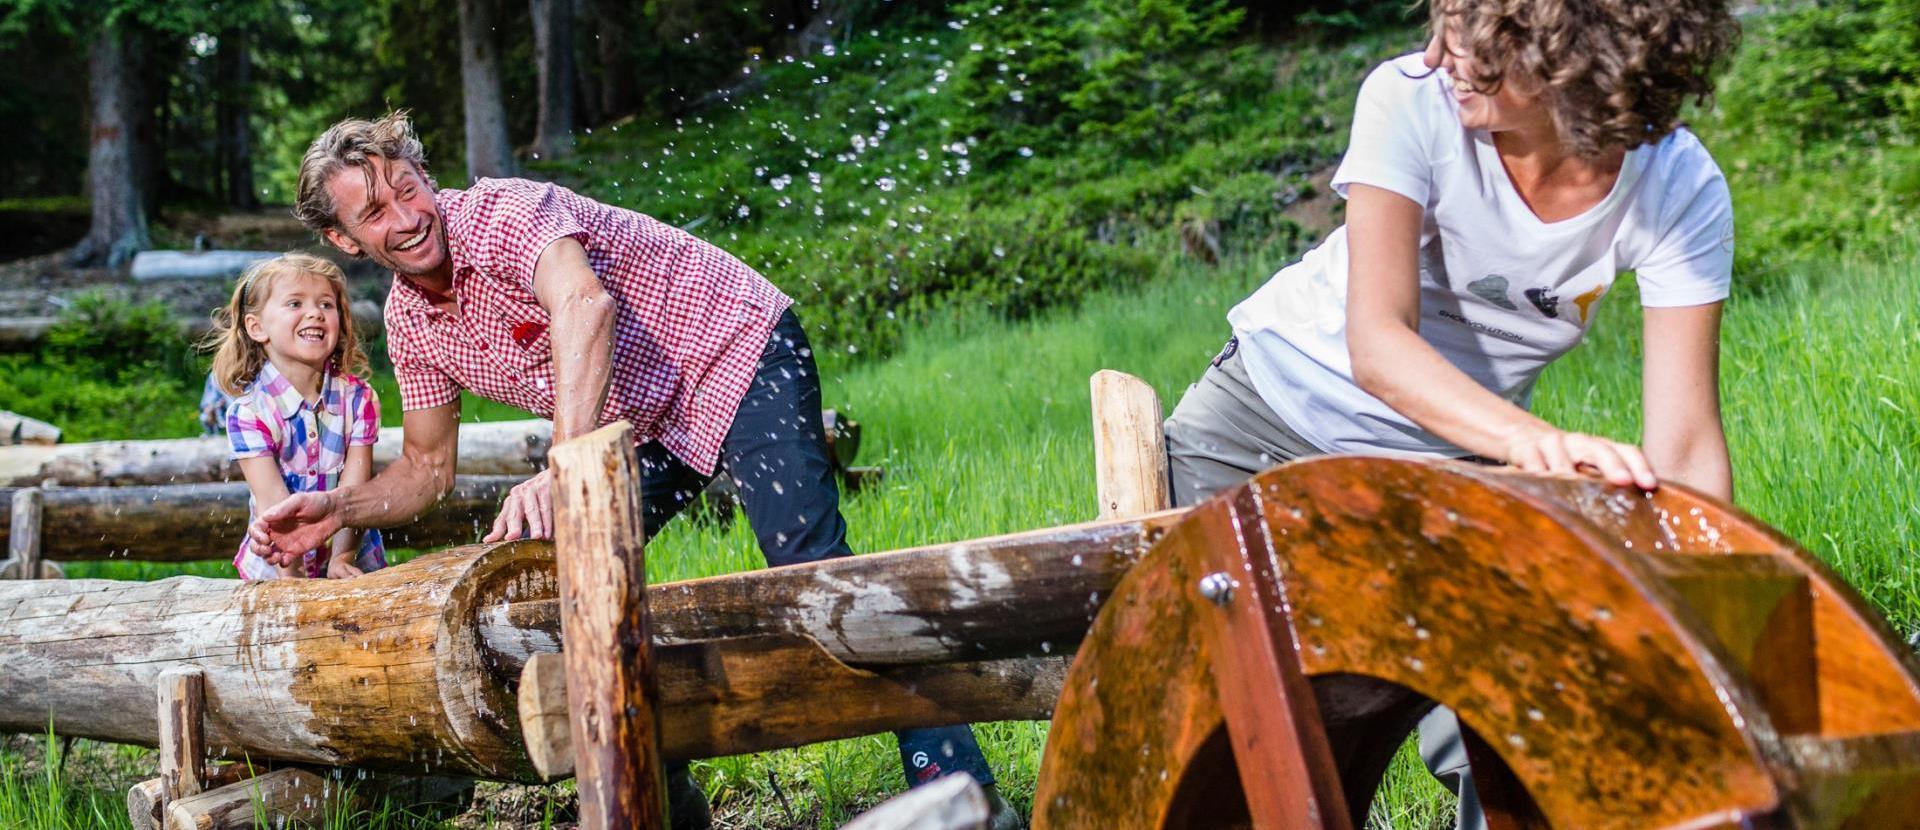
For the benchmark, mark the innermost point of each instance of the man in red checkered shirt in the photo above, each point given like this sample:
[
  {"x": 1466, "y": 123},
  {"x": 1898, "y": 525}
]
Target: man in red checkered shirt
[{"x": 529, "y": 294}]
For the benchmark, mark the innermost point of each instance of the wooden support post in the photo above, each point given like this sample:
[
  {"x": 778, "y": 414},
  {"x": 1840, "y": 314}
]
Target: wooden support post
[
  {"x": 1129, "y": 451},
  {"x": 599, "y": 543},
  {"x": 183, "y": 743},
  {"x": 23, "y": 540}
]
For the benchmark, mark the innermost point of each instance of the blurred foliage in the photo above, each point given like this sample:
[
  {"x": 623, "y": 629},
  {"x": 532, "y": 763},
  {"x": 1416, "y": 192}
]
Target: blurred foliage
[
  {"x": 1818, "y": 129},
  {"x": 108, "y": 369}
]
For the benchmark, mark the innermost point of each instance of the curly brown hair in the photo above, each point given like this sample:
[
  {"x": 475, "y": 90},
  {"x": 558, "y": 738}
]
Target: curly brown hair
[{"x": 1614, "y": 72}]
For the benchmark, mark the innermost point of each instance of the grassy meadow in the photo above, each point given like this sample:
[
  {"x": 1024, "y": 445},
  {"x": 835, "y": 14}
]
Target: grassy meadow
[{"x": 960, "y": 314}]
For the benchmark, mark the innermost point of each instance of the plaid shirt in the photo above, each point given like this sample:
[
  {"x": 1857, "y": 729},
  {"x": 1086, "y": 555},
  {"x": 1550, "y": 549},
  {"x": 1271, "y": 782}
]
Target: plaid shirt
[
  {"x": 690, "y": 324},
  {"x": 310, "y": 442}
]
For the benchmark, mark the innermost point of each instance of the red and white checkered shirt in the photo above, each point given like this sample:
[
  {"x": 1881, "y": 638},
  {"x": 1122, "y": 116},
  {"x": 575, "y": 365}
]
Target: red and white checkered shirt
[{"x": 691, "y": 325}]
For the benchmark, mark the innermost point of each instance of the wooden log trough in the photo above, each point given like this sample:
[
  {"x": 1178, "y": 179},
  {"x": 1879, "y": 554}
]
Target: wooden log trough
[{"x": 1617, "y": 659}]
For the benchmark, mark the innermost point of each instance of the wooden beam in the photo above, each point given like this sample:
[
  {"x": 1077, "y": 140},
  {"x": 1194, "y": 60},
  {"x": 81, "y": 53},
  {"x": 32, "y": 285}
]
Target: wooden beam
[
  {"x": 603, "y": 615},
  {"x": 1129, "y": 451},
  {"x": 183, "y": 741}
]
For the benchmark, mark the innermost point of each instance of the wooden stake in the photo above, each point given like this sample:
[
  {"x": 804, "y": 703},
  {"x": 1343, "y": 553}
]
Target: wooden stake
[
  {"x": 183, "y": 743},
  {"x": 23, "y": 540},
  {"x": 603, "y": 617},
  {"x": 543, "y": 715},
  {"x": 1129, "y": 451}
]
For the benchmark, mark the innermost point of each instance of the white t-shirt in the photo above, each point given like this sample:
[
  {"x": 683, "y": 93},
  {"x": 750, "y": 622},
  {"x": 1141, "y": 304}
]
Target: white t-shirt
[{"x": 1502, "y": 294}]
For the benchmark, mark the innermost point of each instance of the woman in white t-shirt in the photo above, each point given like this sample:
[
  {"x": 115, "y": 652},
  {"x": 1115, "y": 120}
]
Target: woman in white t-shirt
[{"x": 1495, "y": 186}]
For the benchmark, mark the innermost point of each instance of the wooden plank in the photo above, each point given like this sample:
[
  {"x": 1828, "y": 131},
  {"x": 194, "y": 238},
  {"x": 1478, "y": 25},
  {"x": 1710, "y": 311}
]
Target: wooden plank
[
  {"x": 1129, "y": 450},
  {"x": 953, "y": 802},
  {"x": 1761, "y": 609},
  {"x": 543, "y": 716},
  {"x": 600, "y": 548},
  {"x": 1287, "y": 768},
  {"x": 183, "y": 740}
]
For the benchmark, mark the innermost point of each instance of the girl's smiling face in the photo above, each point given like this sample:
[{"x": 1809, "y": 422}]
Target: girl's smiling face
[{"x": 299, "y": 322}]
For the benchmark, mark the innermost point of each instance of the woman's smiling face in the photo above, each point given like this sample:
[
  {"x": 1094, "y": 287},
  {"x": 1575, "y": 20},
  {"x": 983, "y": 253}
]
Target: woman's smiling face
[{"x": 1512, "y": 105}]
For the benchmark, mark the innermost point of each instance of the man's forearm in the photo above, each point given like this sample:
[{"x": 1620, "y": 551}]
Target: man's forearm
[
  {"x": 401, "y": 492},
  {"x": 582, "y": 365}
]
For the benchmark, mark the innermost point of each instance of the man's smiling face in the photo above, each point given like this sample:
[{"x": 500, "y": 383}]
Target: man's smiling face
[{"x": 387, "y": 211}]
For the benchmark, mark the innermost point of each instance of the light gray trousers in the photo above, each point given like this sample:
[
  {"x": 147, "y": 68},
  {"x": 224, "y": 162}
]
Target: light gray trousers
[{"x": 1221, "y": 434}]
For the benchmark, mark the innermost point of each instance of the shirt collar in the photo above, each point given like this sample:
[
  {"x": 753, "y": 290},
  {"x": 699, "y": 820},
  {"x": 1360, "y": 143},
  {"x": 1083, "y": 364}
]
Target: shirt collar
[{"x": 286, "y": 399}]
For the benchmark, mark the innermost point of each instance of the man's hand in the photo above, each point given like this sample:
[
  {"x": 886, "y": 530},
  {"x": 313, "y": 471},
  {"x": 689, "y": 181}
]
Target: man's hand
[
  {"x": 1554, "y": 451},
  {"x": 286, "y": 531},
  {"x": 528, "y": 511}
]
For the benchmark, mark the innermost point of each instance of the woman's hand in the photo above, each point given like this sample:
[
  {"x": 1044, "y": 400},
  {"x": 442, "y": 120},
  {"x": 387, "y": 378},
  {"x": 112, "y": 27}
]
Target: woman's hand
[
  {"x": 1555, "y": 451},
  {"x": 528, "y": 511}
]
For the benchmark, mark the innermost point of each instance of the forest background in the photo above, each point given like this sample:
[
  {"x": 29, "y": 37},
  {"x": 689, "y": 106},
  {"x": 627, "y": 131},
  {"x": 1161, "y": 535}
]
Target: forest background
[{"x": 975, "y": 204}]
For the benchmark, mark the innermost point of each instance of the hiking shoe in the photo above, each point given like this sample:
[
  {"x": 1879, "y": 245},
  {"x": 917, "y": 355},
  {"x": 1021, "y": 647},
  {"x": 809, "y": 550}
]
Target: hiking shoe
[{"x": 687, "y": 807}]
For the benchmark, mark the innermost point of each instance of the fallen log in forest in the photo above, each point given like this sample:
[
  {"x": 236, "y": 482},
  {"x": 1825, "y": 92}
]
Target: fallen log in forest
[
  {"x": 192, "y": 522},
  {"x": 415, "y": 668},
  {"x": 510, "y": 448}
]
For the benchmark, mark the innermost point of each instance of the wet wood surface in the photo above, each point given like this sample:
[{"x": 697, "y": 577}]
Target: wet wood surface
[
  {"x": 24, "y": 549},
  {"x": 1129, "y": 449},
  {"x": 182, "y": 699},
  {"x": 611, "y": 690},
  {"x": 186, "y": 523}
]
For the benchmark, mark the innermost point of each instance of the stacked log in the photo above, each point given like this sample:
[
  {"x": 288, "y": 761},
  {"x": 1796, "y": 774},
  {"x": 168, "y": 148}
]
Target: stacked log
[
  {"x": 508, "y": 448},
  {"x": 415, "y": 668},
  {"x": 185, "y": 523}
]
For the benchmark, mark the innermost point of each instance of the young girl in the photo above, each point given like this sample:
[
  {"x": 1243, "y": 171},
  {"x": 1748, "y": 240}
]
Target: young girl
[{"x": 300, "y": 420}]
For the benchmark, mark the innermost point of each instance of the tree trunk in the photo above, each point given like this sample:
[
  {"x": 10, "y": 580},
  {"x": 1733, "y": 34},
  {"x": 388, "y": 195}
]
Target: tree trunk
[
  {"x": 235, "y": 114},
  {"x": 586, "y": 64},
  {"x": 119, "y": 210},
  {"x": 489, "y": 151},
  {"x": 616, "y": 66},
  {"x": 553, "y": 49}
]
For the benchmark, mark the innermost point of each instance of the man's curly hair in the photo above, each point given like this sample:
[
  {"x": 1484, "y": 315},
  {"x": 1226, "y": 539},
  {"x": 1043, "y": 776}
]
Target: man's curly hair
[{"x": 1614, "y": 72}]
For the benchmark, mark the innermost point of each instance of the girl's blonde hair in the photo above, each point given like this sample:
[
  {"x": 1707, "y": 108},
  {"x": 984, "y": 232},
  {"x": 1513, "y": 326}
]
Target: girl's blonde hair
[{"x": 237, "y": 358}]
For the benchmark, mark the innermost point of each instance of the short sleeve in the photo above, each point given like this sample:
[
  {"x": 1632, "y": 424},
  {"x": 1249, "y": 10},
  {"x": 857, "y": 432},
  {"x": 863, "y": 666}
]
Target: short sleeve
[
  {"x": 510, "y": 222},
  {"x": 1388, "y": 146},
  {"x": 1692, "y": 263},
  {"x": 250, "y": 433},
  {"x": 363, "y": 425},
  {"x": 422, "y": 384}
]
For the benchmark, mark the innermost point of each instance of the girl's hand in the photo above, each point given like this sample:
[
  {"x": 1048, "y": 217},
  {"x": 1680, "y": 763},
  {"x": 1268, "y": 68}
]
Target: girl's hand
[
  {"x": 1554, "y": 451},
  {"x": 286, "y": 531},
  {"x": 296, "y": 569},
  {"x": 342, "y": 567}
]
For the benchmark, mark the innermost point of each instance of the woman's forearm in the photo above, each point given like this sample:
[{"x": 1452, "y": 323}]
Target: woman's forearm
[{"x": 1392, "y": 363}]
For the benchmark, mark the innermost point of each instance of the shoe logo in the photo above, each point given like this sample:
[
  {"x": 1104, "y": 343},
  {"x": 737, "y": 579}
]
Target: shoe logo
[
  {"x": 1493, "y": 289},
  {"x": 920, "y": 760}
]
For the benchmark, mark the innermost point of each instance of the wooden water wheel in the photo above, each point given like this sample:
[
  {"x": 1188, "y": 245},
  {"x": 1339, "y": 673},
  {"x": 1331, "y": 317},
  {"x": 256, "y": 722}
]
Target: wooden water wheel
[{"x": 1618, "y": 660}]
